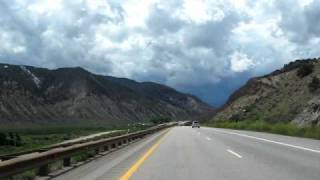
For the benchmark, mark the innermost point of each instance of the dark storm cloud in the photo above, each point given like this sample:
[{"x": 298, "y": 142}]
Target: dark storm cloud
[
  {"x": 301, "y": 23},
  {"x": 312, "y": 14},
  {"x": 214, "y": 35}
]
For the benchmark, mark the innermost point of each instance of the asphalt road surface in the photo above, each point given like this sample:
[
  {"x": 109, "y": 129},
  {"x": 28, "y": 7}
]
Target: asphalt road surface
[{"x": 183, "y": 153}]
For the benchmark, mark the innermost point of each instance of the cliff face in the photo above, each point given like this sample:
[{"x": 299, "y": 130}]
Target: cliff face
[
  {"x": 290, "y": 94},
  {"x": 74, "y": 95}
]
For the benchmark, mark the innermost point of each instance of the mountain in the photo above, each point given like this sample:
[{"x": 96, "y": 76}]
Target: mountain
[
  {"x": 291, "y": 94},
  {"x": 30, "y": 95}
]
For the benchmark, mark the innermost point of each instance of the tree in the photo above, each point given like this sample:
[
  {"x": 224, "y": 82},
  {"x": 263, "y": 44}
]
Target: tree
[
  {"x": 305, "y": 70},
  {"x": 11, "y": 139},
  {"x": 18, "y": 139},
  {"x": 3, "y": 139},
  {"x": 160, "y": 120},
  {"x": 314, "y": 84}
]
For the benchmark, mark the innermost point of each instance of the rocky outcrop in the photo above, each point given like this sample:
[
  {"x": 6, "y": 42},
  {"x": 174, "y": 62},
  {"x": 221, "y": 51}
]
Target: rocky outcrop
[{"x": 310, "y": 114}]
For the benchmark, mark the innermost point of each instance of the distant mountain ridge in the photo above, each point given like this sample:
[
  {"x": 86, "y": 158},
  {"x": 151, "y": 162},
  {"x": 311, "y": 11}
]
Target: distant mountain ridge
[
  {"x": 30, "y": 95},
  {"x": 291, "y": 94}
]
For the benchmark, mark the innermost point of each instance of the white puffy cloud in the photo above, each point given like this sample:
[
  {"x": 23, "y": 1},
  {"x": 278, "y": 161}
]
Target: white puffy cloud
[
  {"x": 240, "y": 62},
  {"x": 193, "y": 45}
]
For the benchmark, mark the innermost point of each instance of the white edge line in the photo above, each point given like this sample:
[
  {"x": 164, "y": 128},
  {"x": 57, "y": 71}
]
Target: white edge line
[
  {"x": 234, "y": 153},
  {"x": 270, "y": 141}
]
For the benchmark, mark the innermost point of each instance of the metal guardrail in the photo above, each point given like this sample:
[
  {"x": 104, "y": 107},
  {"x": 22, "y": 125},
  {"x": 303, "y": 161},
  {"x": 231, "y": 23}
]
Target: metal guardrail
[
  {"x": 47, "y": 148},
  {"x": 42, "y": 160}
]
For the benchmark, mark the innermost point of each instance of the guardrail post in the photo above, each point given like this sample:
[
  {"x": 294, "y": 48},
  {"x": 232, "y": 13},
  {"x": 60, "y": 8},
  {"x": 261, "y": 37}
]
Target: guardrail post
[
  {"x": 114, "y": 145},
  {"x": 67, "y": 162},
  {"x": 106, "y": 148},
  {"x": 44, "y": 170},
  {"x": 97, "y": 150}
]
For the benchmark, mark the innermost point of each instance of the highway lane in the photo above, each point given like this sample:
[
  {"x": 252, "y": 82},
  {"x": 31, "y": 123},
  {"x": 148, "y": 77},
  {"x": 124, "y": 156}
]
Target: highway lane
[
  {"x": 218, "y": 154},
  {"x": 112, "y": 165},
  {"x": 208, "y": 153}
]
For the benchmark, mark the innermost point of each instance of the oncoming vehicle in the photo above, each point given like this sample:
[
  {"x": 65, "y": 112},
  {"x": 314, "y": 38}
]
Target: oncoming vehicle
[{"x": 195, "y": 124}]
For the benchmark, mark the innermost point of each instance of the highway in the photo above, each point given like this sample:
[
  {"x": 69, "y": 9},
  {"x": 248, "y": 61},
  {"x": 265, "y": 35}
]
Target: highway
[{"x": 183, "y": 153}]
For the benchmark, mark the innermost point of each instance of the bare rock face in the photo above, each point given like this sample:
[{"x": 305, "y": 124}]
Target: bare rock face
[
  {"x": 30, "y": 95},
  {"x": 290, "y": 94}
]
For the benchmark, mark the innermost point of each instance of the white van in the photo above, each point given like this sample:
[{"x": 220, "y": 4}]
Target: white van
[{"x": 195, "y": 124}]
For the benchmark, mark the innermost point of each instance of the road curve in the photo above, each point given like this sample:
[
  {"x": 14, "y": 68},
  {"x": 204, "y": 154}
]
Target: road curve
[{"x": 184, "y": 153}]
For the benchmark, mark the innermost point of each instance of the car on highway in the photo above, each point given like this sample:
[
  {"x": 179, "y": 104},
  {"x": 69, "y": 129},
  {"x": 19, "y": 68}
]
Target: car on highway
[{"x": 195, "y": 124}]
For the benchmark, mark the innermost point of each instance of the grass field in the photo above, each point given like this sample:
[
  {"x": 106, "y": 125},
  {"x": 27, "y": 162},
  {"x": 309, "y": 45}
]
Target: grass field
[{"x": 277, "y": 128}]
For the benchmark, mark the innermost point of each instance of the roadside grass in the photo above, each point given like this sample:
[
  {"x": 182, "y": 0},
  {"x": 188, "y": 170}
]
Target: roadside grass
[
  {"x": 35, "y": 138},
  {"x": 28, "y": 175},
  {"x": 32, "y": 174},
  {"x": 276, "y": 128}
]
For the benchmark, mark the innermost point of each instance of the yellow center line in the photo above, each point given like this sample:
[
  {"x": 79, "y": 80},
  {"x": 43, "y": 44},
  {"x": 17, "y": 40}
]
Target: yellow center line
[{"x": 137, "y": 164}]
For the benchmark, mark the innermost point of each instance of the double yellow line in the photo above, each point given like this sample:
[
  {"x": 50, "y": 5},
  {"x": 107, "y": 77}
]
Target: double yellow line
[{"x": 137, "y": 164}]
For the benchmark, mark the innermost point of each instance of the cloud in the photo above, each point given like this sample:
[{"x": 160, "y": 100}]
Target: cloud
[
  {"x": 300, "y": 23},
  {"x": 240, "y": 62},
  {"x": 213, "y": 34},
  {"x": 205, "y": 47},
  {"x": 161, "y": 21}
]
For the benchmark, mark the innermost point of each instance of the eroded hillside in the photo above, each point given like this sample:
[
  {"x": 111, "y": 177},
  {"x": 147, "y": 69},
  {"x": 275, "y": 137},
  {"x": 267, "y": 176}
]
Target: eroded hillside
[
  {"x": 290, "y": 94},
  {"x": 30, "y": 95}
]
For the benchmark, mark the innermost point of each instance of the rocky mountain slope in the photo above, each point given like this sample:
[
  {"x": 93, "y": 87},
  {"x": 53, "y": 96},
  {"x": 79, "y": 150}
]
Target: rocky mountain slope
[
  {"x": 291, "y": 94},
  {"x": 30, "y": 95}
]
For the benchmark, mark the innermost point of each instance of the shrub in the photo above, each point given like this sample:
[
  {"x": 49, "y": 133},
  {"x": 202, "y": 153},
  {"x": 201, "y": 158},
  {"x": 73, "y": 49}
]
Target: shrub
[
  {"x": 18, "y": 140},
  {"x": 235, "y": 117},
  {"x": 3, "y": 139},
  {"x": 312, "y": 132},
  {"x": 305, "y": 70},
  {"x": 259, "y": 126},
  {"x": 314, "y": 84},
  {"x": 12, "y": 139},
  {"x": 286, "y": 129},
  {"x": 160, "y": 119}
]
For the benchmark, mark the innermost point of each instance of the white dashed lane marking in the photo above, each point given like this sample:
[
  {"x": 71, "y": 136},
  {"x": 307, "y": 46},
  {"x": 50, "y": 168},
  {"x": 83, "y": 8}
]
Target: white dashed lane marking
[{"x": 234, "y": 153}]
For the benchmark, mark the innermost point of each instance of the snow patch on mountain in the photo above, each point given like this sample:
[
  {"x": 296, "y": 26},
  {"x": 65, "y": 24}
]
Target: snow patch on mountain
[{"x": 35, "y": 79}]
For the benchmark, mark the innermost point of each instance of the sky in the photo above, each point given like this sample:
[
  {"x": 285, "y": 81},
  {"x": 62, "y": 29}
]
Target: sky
[{"x": 208, "y": 48}]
